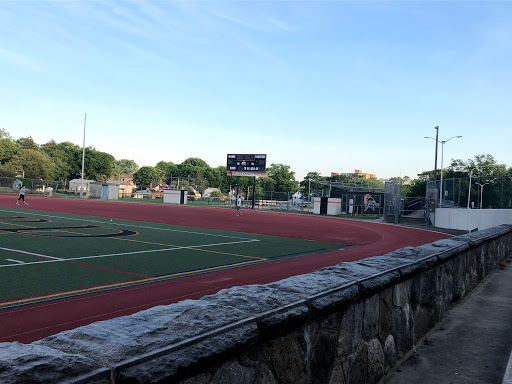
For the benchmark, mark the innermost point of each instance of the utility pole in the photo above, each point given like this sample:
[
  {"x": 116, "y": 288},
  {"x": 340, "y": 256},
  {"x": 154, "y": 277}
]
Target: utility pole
[
  {"x": 83, "y": 159},
  {"x": 435, "y": 165}
]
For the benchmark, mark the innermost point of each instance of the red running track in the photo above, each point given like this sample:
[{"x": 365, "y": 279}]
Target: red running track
[{"x": 34, "y": 322}]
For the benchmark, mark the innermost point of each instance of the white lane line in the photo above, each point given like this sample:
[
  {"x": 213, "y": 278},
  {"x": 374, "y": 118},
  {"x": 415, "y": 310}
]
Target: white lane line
[
  {"x": 30, "y": 253},
  {"x": 55, "y": 259},
  {"x": 16, "y": 261}
]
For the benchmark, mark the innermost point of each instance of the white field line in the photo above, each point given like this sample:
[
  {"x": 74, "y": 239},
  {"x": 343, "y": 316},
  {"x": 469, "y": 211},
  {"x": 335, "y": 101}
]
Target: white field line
[
  {"x": 55, "y": 259},
  {"x": 128, "y": 225},
  {"x": 16, "y": 261},
  {"x": 31, "y": 254}
]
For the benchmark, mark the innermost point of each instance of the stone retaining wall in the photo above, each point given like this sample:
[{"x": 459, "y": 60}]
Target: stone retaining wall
[{"x": 351, "y": 323}]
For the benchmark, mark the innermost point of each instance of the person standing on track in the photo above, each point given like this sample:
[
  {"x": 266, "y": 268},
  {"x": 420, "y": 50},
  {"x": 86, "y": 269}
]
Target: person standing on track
[
  {"x": 22, "y": 196},
  {"x": 238, "y": 205}
]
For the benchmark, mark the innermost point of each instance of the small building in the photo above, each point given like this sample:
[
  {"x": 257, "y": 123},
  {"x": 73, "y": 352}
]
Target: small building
[
  {"x": 76, "y": 184},
  {"x": 356, "y": 173},
  {"x": 194, "y": 193},
  {"x": 125, "y": 184},
  {"x": 104, "y": 191},
  {"x": 175, "y": 196},
  {"x": 124, "y": 189},
  {"x": 208, "y": 192}
]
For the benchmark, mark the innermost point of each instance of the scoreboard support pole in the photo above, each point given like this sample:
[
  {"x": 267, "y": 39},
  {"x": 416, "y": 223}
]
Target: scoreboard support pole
[
  {"x": 253, "y": 190},
  {"x": 237, "y": 183}
]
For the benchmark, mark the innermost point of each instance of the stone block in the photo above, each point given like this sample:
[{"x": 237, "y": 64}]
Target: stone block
[
  {"x": 112, "y": 341},
  {"x": 371, "y": 317},
  {"x": 182, "y": 359},
  {"x": 287, "y": 359},
  {"x": 385, "y": 312},
  {"x": 375, "y": 361},
  {"x": 479, "y": 237},
  {"x": 351, "y": 329},
  {"x": 390, "y": 356},
  {"x": 30, "y": 363},
  {"x": 445, "y": 249}
]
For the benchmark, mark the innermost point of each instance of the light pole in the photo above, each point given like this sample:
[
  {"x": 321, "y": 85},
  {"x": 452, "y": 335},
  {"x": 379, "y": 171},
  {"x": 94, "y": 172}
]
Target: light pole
[
  {"x": 83, "y": 160},
  {"x": 482, "y": 190},
  {"x": 469, "y": 189},
  {"x": 443, "y": 142},
  {"x": 437, "y": 141}
]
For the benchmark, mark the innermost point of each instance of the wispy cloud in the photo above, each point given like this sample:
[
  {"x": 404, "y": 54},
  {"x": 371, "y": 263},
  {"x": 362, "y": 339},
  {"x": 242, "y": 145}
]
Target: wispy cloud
[
  {"x": 258, "y": 21},
  {"x": 19, "y": 60},
  {"x": 282, "y": 25}
]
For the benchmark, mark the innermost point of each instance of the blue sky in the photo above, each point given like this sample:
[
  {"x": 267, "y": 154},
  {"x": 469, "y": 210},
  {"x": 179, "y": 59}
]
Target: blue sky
[{"x": 322, "y": 86}]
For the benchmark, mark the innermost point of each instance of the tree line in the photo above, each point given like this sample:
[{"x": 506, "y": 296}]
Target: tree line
[{"x": 63, "y": 162}]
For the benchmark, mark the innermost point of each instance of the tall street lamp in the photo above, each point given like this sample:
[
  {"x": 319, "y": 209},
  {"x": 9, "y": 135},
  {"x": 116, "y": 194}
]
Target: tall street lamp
[
  {"x": 435, "y": 162},
  {"x": 443, "y": 142},
  {"x": 482, "y": 190},
  {"x": 469, "y": 189},
  {"x": 83, "y": 159}
]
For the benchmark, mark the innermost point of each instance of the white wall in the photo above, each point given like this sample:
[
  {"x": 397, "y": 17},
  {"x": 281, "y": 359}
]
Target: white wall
[
  {"x": 468, "y": 219},
  {"x": 113, "y": 192},
  {"x": 173, "y": 196},
  {"x": 333, "y": 206}
]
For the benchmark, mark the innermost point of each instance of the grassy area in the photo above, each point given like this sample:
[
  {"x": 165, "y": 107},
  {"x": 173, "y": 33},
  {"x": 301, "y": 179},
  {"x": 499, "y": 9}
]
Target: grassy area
[{"x": 44, "y": 255}]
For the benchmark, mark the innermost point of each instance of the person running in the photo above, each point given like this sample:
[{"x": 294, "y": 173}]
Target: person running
[
  {"x": 238, "y": 205},
  {"x": 22, "y": 196}
]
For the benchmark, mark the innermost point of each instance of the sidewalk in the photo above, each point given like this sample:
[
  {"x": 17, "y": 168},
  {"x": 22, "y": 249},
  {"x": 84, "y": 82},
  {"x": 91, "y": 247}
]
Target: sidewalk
[{"x": 474, "y": 343}]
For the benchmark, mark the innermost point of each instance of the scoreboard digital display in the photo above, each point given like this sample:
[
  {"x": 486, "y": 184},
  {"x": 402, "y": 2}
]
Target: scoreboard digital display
[{"x": 247, "y": 165}]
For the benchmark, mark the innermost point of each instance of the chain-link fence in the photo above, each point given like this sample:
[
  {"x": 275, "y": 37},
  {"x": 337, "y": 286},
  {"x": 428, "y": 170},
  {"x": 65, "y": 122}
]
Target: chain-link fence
[
  {"x": 13, "y": 184},
  {"x": 267, "y": 200},
  {"x": 482, "y": 192},
  {"x": 392, "y": 202},
  {"x": 354, "y": 202}
]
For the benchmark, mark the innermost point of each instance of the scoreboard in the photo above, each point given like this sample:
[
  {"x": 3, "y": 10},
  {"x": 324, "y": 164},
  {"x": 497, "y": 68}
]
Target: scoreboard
[{"x": 247, "y": 165}]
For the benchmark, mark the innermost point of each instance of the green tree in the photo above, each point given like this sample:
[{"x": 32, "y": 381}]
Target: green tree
[
  {"x": 8, "y": 147},
  {"x": 417, "y": 188},
  {"x": 34, "y": 164},
  {"x": 479, "y": 165},
  {"x": 373, "y": 182},
  {"x": 127, "y": 166},
  {"x": 406, "y": 182},
  {"x": 267, "y": 184},
  {"x": 343, "y": 179},
  {"x": 213, "y": 177},
  {"x": 192, "y": 167},
  {"x": 166, "y": 169},
  {"x": 309, "y": 184},
  {"x": 196, "y": 170},
  {"x": 144, "y": 176},
  {"x": 224, "y": 181},
  {"x": 61, "y": 161},
  {"x": 98, "y": 165},
  {"x": 283, "y": 177},
  {"x": 67, "y": 158},
  {"x": 27, "y": 143}
]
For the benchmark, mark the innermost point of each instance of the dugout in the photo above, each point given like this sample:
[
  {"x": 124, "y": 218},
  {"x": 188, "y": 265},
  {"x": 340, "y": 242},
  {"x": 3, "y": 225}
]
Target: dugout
[
  {"x": 361, "y": 203},
  {"x": 175, "y": 196},
  {"x": 104, "y": 191}
]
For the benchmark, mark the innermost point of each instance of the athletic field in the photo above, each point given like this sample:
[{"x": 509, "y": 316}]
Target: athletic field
[
  {"x": 66, "y": 263},
  {"x": 44, "y": 255}
]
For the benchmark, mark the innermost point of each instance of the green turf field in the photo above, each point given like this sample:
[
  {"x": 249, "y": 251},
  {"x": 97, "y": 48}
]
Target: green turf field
[{"x": 46, "y": 255}]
